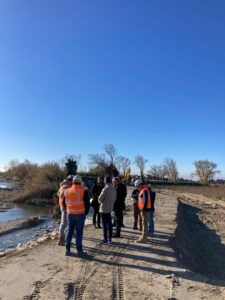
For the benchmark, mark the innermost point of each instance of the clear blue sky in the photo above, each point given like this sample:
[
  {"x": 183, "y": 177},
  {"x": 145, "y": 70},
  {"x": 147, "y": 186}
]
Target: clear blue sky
[{"x": 146, "y": 76}]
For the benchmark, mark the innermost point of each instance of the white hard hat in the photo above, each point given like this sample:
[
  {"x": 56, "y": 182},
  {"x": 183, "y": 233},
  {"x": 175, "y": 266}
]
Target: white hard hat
[
  {"x": 77, "y": 178},
  {"x": 138, "y": 182}
]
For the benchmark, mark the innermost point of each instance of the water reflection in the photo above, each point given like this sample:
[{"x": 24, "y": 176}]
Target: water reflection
[
  {"x": 4, "y": 184},
  {"x": 24, "y": 211}
]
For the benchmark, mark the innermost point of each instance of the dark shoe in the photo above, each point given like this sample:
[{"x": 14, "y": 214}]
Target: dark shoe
[
  {"x": 123, "y": 225},
  {"x": 81, "y": 253},
  {"x": 135, "y": 228},
  {"x": 68, "y": 252},
  {"x": 103, "y": 242},
  {"x": 109, "y": 242},
  {"x": 99, "y": 226},
  {"x": 114, "y": 225}
]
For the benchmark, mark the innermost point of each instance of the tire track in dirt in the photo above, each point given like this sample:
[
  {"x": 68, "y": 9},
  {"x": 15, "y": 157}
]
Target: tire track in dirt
[
  {"x": 76, "y": 290},
  {"x": 175, "y": 283},
  {"x": 89, "y": 273},
  {"x": 38, "y": 285},
  {"x": 118, "y": 287},
  {"x": 118, "y": 292}
]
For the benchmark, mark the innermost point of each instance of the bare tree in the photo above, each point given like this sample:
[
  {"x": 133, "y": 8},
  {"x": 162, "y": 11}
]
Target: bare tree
[
  {"x": 170, "y": 168},
  {"x": 98, "y": 160},
  {"x": 21, "y": 171},
  {"x": 140, "y": 162},
  {"x": 205, "y": 170},
  {"x": 122, "y": 163},
  {"x": 157, "y": 171},
  {"x": 111, "y": 151}
]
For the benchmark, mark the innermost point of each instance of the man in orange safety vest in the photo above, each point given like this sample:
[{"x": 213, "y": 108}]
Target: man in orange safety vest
[
  {"x": 77, "y": 206},
  {"x": 144, "y": 206}
]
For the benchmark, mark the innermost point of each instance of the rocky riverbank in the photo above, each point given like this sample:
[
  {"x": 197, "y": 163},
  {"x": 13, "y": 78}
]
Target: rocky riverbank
[{"x": 12, "y": 225}]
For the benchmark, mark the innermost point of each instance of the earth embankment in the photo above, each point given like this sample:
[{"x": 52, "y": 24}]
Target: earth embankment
[{"x": 199, "y": 246}]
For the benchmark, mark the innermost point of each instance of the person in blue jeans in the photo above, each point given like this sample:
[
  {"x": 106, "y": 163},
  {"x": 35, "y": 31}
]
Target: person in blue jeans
[
  {"x": 151, "y": 223},
  {"x": 75, "y": 222},
  {"x": 77, "y": 206}
]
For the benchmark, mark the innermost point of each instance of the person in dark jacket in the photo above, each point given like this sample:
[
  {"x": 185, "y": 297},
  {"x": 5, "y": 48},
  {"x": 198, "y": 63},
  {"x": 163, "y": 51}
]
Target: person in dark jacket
[
  {"x": 96, "y": 191},
  {"x": 123, "y": 189},
  {"x": 119, "y": 205},
  {"x": 137, "y": 215},
  {"x": 151, "y": 223}
]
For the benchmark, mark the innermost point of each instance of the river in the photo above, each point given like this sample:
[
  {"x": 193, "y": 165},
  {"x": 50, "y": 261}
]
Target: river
[
  {"x": 4, "y": 184},
  {"x": 11, "y": 240}
]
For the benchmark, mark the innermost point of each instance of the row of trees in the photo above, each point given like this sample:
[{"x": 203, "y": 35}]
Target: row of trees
[
  {"x": 107, "y": 163},
  {"x": 110, "y": 163}
]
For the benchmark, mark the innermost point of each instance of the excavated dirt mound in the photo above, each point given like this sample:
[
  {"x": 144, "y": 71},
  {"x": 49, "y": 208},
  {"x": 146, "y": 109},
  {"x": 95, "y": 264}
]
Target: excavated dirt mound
[{"x": 197, "y": 243}]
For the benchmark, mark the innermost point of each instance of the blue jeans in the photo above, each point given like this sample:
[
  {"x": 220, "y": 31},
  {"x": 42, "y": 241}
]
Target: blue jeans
[
  {"x": 75, "y": 222},
  {"x": 151, "y": 224},
  {"x": 107, "y": 226}
]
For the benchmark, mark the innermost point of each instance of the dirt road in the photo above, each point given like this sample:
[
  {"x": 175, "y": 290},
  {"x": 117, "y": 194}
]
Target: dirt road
[{"x": 123, "y": 270}]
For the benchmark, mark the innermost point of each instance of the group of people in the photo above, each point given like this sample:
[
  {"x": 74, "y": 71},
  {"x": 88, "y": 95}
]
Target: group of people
[{"x": 106, "y": 196}]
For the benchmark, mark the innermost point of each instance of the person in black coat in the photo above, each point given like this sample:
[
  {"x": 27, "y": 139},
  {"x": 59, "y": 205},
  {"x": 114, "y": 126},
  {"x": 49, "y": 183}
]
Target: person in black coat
[
  {"x": 151, "y": 224},
  {"x": 96, "y": 191},
  {"x": 119, "y": 205}
]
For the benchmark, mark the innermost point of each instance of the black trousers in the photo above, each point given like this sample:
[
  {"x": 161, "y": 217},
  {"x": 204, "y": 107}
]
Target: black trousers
[
  {"x": 96, "y": 215},
  {"x": 119, "y": 221}
]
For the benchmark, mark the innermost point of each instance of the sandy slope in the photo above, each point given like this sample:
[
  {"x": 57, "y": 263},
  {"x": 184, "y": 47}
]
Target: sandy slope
[{"x": 125, "y": 270}]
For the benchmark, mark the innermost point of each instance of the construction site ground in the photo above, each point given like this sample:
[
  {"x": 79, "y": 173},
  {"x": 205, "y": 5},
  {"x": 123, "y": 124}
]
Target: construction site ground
[{"x": 184, "y": 260}]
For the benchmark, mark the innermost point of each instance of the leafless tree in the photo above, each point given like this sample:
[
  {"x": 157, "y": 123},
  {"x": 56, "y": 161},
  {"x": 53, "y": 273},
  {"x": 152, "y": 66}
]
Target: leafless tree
[
  {"x": 205, "y": 170},
  {"x": 170, "y": 168},
  {"x": 21, "y": 171},
  {"x": 140, "y": 162},
  {"x": 111, "y": 152},
  {"x": 98, "y": 160},
  {"x": 157, "y": 171},
  {"x": 122, "y": 163}
]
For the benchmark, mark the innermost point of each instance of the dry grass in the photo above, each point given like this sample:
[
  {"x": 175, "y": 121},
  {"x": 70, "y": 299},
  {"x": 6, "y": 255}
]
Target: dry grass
[{"x": 212, "y": 191}]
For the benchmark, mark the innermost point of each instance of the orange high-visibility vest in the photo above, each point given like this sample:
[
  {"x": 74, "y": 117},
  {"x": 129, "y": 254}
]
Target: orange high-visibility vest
[
  {"x": 141, "y": 200},
  {"x": 74, "y": 197}
]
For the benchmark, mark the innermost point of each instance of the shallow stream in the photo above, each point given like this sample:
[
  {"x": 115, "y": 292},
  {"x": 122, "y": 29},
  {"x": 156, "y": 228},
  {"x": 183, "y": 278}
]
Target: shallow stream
[{"x": 12, "y": 239}]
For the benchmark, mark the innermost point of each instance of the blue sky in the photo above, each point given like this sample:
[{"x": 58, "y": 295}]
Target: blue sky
[{"x": 146, "y": 76}]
